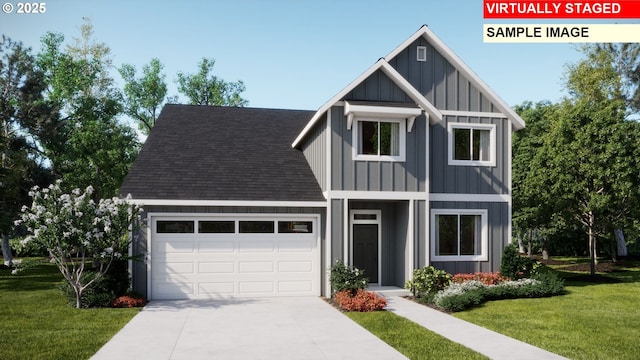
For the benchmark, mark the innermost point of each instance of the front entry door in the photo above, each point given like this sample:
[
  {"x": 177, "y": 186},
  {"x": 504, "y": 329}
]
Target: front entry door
[{"x": 365, "y": 236}]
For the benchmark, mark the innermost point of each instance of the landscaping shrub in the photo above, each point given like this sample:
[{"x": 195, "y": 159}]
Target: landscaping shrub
[
  {"x": 345, "y": 277},
  {"x": 485, "y": 278},
  {"x": 362, "y": 301},
  {"x": 515, "y": 266},
  {"x": 23, "y": 249},
  {"x": 129, "y": 301},
  {"x": 96, "y": 295},
  {"x": 427, "y": 281},
  {"x": 461, "y": 296}
]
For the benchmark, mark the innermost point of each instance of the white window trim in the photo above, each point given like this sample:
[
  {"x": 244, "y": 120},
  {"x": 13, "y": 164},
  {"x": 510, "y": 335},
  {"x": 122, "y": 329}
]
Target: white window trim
[
  {"x": 484, "y": 233},
  {"x": 421, "y": 53},
  {"x": 402, "y": 138},
  {"x": 492, "y": 144}
]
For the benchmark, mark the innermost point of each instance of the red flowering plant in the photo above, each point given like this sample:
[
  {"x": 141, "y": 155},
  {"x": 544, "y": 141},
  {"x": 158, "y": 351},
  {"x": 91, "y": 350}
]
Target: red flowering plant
[
  {"x": 128, "y": 301},
  {"x": 362, "y": 301},
  {"x": 485, "y": 278}
]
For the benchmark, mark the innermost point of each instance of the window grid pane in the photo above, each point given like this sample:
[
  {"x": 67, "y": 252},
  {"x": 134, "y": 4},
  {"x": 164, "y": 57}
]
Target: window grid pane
[
  {"x": 469, "y": 235},
  {"x": 216, "y": 227},
  {"x": 368, "y": 138},
  {"x": 257, "y": 227},
  {"x": 174, "y": 227},
  {"x": 461, "y": 142},
  {"x": 447, "y": 235},
  {"x": 288, "y": 227}
]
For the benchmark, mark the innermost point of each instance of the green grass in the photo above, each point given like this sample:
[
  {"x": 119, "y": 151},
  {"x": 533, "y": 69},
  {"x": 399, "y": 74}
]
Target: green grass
[
  {"x": 594, "y": 320},
  {"x": 37, "y": 323},
  {"x": 411, "y": 339}
]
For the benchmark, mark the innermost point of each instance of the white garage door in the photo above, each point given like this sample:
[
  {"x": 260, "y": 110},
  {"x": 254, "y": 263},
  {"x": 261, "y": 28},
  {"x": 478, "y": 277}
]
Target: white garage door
[{"x": 221, "y": 257}]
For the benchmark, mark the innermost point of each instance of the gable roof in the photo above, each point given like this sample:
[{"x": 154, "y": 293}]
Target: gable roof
[
  {"x": 223, "y": 153},
  {"x": 433, "y": 113}
]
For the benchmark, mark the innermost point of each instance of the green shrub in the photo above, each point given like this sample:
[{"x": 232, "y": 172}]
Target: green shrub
[
  {"x": 461, "y": 296},
  {"x": 27, "y": 249},
  {"x": 515, "y": 266},
  {"x": 345, "y": 277},
  {"x": 117, "y": 277},
  {"x": 96, "y": 295},
  {"x": 428, "y": 281}
]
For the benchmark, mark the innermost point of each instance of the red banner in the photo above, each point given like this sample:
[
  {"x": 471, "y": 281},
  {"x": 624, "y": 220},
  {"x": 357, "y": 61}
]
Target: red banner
[{"x": 518, "y": 9}]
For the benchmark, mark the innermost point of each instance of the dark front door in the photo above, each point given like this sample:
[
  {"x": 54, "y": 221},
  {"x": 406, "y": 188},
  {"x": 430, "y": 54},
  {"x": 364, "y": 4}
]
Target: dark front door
[{"x": 365, "y": 249}]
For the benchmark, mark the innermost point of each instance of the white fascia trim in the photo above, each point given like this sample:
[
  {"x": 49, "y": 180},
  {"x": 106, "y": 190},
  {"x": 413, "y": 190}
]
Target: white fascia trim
[
  {"x": 448, "y": 54},
  {"x": 480, "y": 114},
  {"x": 495, "y": 198},
  {"x": 386, "y": 112},
  {"x": 377, "y": 195},
  {"x": 244, "y": 203},
  {"x": 414, "y": 94},
  {"x": 316, "y": 117}
]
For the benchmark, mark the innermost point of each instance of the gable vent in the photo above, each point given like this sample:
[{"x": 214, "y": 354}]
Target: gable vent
[{"x": 422, "y": 53}]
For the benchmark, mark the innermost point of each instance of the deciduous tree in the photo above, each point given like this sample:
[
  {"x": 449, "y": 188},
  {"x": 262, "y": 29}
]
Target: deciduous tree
[
  {"x": 144, "y": 96},
  {"x": 203, "y": 88}
]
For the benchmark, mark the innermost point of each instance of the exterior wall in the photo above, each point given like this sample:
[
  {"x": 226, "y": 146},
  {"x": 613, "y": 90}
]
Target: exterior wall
[
  {"x": 439, "y": 82},
  {"x": 378, "y": 87},
  {"x": 498, "y": 223},
  {"x": 350, "y": 175},
  {"x": 420, "y": 234},
  {"x": 139, "y": 245},
  {"x": 446, "y": 178},
  {"x": 315, "y": 151},
  {"x": 337, "y": 224}
]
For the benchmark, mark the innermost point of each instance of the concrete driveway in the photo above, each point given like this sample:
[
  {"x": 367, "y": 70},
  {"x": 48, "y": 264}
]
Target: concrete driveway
[{"x": 263, "y": 328}]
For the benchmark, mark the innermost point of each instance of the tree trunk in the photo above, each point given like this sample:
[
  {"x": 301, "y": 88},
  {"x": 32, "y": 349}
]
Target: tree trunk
[
  {"x": 592, "y": 244},
  {"x": 613, "y": 248},
  {"x": 6, "y": 250},
  {"x": 530, "y": 243},
  {"x": 621, "y": 243},
  {"x": 521, "y": 242}
]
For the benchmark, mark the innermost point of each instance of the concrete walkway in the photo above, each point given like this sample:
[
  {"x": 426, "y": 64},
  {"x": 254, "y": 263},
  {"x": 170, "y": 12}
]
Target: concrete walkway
[
  {"x": 263, "y": 328},
  {"x": 489, "y": 343}
]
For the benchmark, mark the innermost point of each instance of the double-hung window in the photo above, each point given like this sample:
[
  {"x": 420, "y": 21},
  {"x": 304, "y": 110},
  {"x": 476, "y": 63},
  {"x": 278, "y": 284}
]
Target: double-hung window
[
  {"x": 472, "y": 144},
  {"x": 379, "y": 139},
  {"x": 459, "y": 235}
]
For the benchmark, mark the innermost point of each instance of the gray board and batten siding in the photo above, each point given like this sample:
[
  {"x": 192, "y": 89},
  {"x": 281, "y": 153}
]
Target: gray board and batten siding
[
  {"x": 315, "y": 151},
  {"x": 439, "y": 81},
  {"x": 498, "y": 224},
  {"x": 456, "y": 179},
  {"x": 348, "y": 174}
]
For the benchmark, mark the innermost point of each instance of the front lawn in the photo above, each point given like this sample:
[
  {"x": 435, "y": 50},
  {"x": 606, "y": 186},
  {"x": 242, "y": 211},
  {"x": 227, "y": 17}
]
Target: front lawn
[
  {"x": 409, "y": 338},
  {"x": 598, "y": 318},
  {"x": 37, "y": 323}
]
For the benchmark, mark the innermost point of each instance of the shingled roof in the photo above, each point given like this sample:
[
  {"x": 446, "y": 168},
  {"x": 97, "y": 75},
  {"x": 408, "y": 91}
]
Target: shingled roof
[{"x": 223, "y": 153}]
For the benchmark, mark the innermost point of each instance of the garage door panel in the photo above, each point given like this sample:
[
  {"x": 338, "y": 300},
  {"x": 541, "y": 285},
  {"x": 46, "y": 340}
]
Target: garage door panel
[
  {"x": 175, "y": 246},
  {"x": 255, "y": 245},
  {"x": 222, "y": 265},
  {"x": 295, "y": 266},
  {"x": 216, "y": 267},
  {"x": 224, "y": 288},
  {"x": 255, "y": 267},
  {"x": 216, "y": 246},
  {"x": 255, "y": 287},
  {"x": 296, "y": 245}
]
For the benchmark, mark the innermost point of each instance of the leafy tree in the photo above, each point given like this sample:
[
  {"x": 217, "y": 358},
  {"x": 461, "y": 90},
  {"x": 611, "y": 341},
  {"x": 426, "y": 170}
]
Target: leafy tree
[
  {"x": 21, "y": 103},
  {"x": 89, "y": 145},
  {"x": 204, "y": 88},
  {"x": 75, "y": 230},
  {"x": 144, "y": 96}
]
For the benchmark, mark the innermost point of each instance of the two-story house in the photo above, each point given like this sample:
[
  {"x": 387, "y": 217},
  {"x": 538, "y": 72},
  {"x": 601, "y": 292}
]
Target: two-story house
[{"x": 407, "y": 166}]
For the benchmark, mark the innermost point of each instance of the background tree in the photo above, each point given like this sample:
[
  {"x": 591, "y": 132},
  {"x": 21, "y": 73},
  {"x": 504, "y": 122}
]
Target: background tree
[
  {"x": 144, "y": 96},
  {"x": 21, "y": 104},
  {"x": 203, "y": 88},
  {"x": 586, "y": 169},
  {"x": 90, "y": 146}
]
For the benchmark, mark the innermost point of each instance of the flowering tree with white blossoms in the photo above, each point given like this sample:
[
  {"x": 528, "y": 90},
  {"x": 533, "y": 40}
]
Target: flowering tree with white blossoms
[{"x": 79, "y": 232}]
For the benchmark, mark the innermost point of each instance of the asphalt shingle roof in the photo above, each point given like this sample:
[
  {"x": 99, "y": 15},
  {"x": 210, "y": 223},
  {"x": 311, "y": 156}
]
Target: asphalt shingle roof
[{"x": 223, "y": 153}]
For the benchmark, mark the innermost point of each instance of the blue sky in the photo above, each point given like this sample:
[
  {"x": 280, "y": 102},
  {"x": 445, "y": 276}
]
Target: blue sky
[{"x": 296, "y": 54}]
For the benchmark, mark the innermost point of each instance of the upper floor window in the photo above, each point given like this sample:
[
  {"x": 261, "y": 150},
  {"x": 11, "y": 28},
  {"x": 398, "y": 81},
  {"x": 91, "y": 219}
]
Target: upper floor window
[
  {"x": 472, "y": 144},
  {"x": 379, "y": 140}
]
